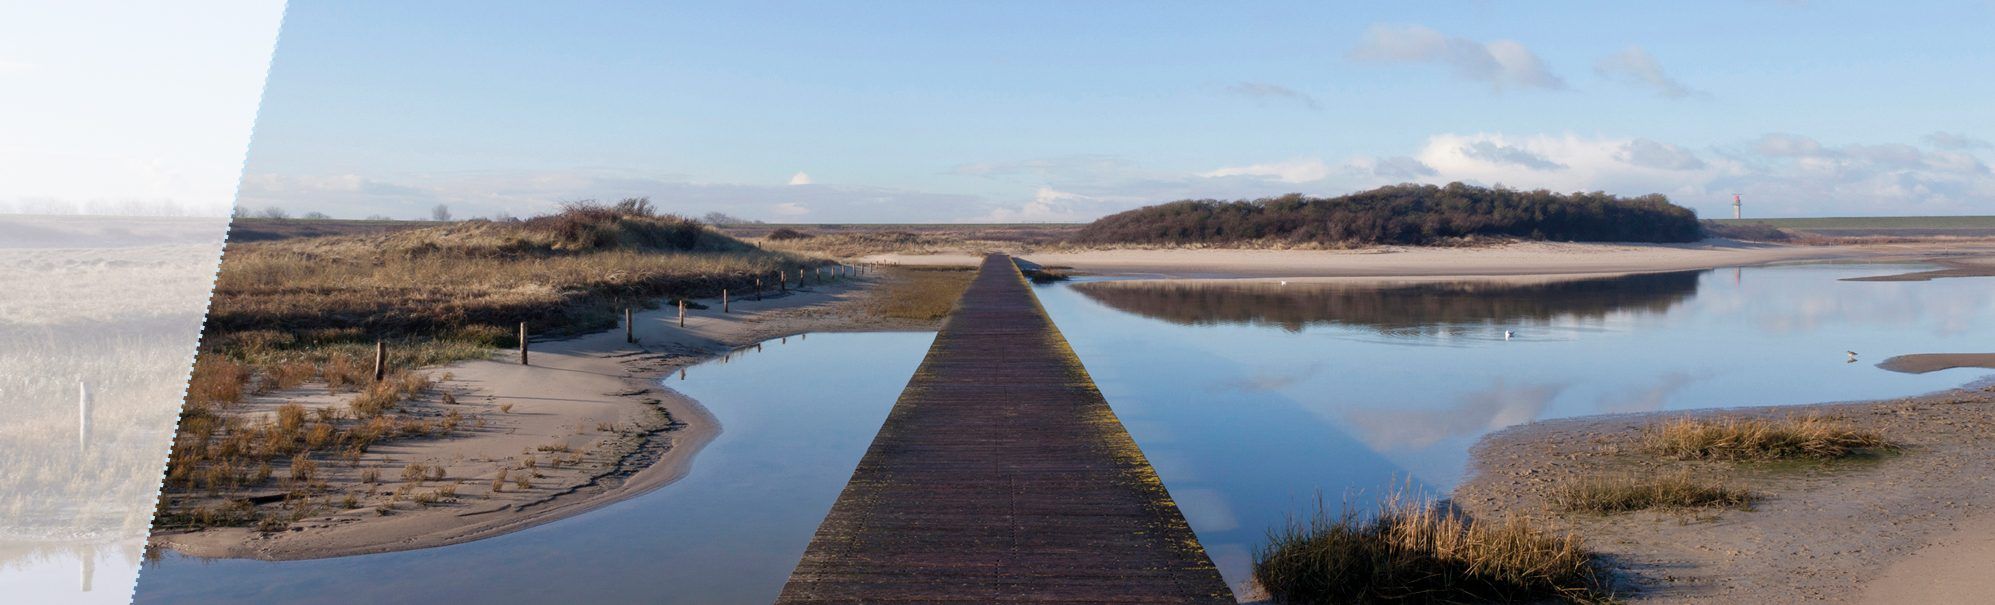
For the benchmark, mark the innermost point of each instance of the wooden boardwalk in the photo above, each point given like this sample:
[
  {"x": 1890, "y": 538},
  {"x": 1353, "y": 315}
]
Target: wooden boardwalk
[{"x": 1001, "y": 476}]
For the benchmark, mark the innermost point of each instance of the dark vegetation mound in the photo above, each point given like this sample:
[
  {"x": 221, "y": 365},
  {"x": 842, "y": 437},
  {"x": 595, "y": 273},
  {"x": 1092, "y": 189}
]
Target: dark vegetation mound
[
  {"x": 786, "y": 233},
  {"x": 1747, "y": 232},
  {"x": 1403, "y": 214}
]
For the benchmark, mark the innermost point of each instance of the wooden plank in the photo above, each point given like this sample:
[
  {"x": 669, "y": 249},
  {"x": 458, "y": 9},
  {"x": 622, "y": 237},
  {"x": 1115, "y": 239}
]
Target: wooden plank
[{"x": 1002, "y": 476}]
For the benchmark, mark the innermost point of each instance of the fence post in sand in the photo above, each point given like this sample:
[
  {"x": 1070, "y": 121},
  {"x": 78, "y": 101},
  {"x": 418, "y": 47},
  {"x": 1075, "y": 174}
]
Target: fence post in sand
[
  {"x": 682, "y": 312},
  {"x": 723, "y": 301},
  {"x": 380, "y": 359},
  {"x": 523, "y": 343},
  {"x": 82, "y": 416},
  {"x": 629, "y": 327}
]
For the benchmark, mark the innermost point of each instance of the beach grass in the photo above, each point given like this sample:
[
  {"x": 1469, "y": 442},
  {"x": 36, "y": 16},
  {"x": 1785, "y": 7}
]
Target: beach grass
[
  {"x": 1632, "y": 492},
  {"x": 1810, "y": 437},
  {"x": 1423, "y": 551}
]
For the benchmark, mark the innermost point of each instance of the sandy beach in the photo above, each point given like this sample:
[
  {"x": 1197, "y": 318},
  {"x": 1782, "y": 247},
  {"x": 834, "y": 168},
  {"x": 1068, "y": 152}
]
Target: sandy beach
[
  {"x": 1905, "y": 526},
  {"x": 584, "y": 425}
]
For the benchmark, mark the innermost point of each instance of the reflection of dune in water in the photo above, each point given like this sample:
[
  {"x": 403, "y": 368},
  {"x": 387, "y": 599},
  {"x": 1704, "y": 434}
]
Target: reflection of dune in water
[
  {"x": 1403, "y": 311},
  {"x": 97, "y": 342}
]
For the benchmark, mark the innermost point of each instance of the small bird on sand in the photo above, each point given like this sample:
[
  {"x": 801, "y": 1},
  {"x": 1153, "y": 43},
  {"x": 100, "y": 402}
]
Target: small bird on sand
[{"x": 1284, "y": 282}]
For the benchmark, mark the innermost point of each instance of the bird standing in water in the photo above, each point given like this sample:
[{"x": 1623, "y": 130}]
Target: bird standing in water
[{"x": 1852, "y": 356}]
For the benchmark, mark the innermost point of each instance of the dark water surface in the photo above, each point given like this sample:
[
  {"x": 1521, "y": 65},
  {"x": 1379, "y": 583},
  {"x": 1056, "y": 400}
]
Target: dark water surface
[
  {"x": 1253, "y": 399},
  {"x": 795, "y": 418}
]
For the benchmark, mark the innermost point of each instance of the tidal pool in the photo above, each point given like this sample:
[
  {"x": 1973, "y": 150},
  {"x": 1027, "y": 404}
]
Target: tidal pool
[
  {"x": 1255, "y": 400},
  {"x": 795, "y": 415}
]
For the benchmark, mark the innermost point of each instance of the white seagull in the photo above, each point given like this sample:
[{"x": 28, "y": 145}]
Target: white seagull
[{"x": 1852, "y": 356}]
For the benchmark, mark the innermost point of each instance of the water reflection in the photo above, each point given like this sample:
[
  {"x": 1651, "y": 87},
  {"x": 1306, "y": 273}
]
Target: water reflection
[
  {"x": 795, "y": 417},
  {"x": 1253, "y": 398},
  {"x": 1413, "y": 310}
]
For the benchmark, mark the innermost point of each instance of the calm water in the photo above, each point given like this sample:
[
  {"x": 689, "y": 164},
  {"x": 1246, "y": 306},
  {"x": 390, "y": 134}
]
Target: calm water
[
  {"x": 1251, "y": 401},
  {"x": 795, "y": 418}
]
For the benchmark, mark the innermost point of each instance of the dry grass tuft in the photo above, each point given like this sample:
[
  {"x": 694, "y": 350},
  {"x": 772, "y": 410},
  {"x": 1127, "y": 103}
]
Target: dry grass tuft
[
  {"x": 1639, "y": 492},
  {"x": 1421, "y": 551},
  {"x": 1793, "y": 437}
]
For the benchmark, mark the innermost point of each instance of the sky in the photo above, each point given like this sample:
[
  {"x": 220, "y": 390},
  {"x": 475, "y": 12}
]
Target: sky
[
  {"x": 1027, "y": 112},
  {"x": 111, "y": 107}
]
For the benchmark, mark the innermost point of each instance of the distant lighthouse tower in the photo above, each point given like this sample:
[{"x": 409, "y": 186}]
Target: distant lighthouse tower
[{"x": 1736, "y": 207}]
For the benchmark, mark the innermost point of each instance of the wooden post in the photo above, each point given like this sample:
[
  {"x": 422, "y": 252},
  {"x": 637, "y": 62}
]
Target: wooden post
[
  {"x": 380, "y": 359},
  {"x": 82, "y": 416},
  {"x": 629, "y": 327},
  {"x": 523, "y": 343},
  {"x": 682, "y": 312},
  {"x": 723, "y": 301}
]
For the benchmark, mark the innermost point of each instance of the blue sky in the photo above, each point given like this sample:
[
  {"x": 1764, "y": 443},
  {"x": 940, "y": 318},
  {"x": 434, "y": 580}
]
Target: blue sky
[{"x": 936, "y": 112}]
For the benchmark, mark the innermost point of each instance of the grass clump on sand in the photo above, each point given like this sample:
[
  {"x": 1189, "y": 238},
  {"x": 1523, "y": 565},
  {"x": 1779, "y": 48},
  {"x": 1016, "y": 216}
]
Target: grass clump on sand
[
  {"x": 1639, "y": 492},
  {"x": 1790, "y": 438},
  {"x": 1424, "y": 552}
]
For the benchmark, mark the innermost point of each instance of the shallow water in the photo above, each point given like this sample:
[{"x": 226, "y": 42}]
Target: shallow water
[
  {"x": 795, "y": 418},
  {"x": 1254, "y": 400}
]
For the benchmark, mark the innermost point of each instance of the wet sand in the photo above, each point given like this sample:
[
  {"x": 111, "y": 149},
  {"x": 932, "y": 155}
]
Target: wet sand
[
  {"x": 588, "y": 410},
  {"x": 1903, "y": 528}
]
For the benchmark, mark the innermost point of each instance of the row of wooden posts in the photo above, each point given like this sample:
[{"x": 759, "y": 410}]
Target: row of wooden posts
[{"x": 823, "y": 275}]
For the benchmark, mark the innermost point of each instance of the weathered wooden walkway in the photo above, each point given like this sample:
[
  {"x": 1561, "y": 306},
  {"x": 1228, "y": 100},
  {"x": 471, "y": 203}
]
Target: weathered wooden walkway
[{"x": 1001, "y": 476}]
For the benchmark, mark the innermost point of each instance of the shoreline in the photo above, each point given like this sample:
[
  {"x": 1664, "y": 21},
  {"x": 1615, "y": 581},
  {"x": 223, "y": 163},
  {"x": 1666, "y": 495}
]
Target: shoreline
[
  {"x": 1539, "y": 260},
  {"x": 1901, "y": 519},
  {"x": 645, "y": 435}
]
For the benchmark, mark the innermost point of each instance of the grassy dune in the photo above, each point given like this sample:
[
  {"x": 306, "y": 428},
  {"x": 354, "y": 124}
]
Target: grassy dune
[{"x": 306, "y": 312}]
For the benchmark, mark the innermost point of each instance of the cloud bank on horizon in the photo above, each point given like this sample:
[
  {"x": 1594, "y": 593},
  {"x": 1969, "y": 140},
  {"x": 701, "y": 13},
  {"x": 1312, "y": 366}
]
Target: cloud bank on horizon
[{"x": 954, "y": 125}]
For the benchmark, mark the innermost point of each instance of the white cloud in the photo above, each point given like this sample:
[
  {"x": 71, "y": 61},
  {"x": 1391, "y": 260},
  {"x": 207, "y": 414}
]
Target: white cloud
[
  {"x": 790, "y": 209},
  {"x": 1651, "y": 154},
  {"x": 1292, "y": 171},
  {"x": 800, "y": 178},
  {"x": 1955, "y": 141},
  {"x": 1274, "y": 92},
  {"x": 1050, "y": 205},
  {"x": 1500, "y": 63},
  {"x": 1504, "y": 155},
  {"x": 1635, "y": 65}
]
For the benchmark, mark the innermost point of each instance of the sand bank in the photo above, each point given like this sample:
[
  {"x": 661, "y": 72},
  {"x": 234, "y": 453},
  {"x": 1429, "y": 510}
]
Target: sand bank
[
  {"x": 1513, "y": 259},
  {"x": 588, "y": 412},
  {"x": 1933, "y": 362},
  {"x": 1899, "y": 529}
]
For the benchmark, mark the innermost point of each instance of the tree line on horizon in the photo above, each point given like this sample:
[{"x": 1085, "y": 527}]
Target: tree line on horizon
[{"x": 1406, "y": 214}]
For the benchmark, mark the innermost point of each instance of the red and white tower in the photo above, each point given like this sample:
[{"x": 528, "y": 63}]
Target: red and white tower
[{"x": 1736, "y": 209}]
